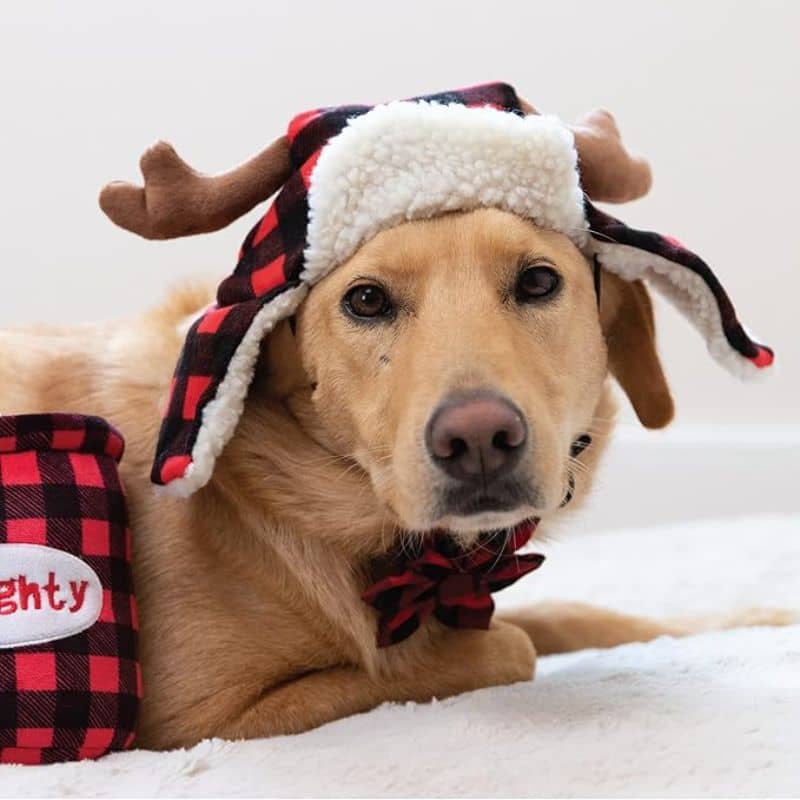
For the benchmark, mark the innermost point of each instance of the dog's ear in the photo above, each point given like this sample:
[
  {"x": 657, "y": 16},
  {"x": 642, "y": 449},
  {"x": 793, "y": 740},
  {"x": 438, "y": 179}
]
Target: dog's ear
[
  {"x": 279, "y": 370},
  {"x": 626, "y": 315}
]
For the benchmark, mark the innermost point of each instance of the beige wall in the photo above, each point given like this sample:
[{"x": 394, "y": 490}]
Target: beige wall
[{"x": 709, "y": 90}]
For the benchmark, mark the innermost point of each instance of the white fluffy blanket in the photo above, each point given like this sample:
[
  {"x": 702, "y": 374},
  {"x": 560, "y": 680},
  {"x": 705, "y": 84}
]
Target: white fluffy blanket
[{"x": 714, "y": 714}]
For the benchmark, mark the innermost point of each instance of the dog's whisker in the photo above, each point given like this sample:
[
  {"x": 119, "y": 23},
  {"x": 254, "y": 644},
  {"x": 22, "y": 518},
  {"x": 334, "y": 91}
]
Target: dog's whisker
[
  {"x": 506, "y": 534},
  {"x": 582, "y": 468}
]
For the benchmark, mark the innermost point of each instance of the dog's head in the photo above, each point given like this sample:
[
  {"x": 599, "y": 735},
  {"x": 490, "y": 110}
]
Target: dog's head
[
  {"x": 441, "y": 254},
  {"x": 460, "y": 362}
]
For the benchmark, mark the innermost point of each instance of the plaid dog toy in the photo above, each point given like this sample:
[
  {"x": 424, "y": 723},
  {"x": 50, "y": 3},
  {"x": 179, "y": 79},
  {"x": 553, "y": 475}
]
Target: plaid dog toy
[{"x": 69, "y": 679}]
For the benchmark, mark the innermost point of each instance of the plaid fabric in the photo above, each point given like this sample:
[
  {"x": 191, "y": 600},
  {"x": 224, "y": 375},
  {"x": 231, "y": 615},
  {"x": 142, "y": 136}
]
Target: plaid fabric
[
  {"x": 606, "y": 228},
  {"x": 453, "y": 586},
  {"x": 270, "y": 263},
  {"x": 74, "y": 697}
]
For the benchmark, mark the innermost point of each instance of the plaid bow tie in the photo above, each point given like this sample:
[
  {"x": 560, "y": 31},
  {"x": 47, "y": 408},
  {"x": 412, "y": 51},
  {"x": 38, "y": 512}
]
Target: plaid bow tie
[{"x": 454, "y": 586}]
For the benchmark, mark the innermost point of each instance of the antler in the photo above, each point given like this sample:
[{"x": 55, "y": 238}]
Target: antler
[
  {"x": 178, "y": 201},
  {"x": 608, "y": 171}
]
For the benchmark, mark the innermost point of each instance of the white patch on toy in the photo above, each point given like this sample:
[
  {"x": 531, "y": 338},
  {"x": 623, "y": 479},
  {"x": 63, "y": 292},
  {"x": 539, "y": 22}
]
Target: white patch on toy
[{"x": 45, "y": 595}]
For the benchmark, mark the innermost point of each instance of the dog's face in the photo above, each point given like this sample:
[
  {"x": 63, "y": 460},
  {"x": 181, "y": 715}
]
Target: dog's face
[{"x": 457, "y": 360}]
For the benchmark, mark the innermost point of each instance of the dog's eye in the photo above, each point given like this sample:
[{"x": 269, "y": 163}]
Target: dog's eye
[
  {"x": 367, "y": 302},
  {"x": 535, "y": 283}
]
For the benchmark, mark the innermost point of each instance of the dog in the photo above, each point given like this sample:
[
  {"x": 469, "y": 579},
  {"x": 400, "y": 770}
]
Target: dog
[
  {"x": 249, "y": 591},
  {"x": 416, "y": 345}
]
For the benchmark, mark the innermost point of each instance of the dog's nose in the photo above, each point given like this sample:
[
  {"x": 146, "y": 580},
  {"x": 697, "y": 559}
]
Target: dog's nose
[{"x": 477, "y": 438}]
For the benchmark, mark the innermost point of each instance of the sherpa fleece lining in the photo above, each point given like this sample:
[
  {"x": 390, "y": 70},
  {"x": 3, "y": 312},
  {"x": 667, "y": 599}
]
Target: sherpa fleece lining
[{"x": 404, "y": 161}]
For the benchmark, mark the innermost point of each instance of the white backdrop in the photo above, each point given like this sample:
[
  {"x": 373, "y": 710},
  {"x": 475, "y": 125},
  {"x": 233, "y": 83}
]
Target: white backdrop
[{"x": 709, "y": 91}]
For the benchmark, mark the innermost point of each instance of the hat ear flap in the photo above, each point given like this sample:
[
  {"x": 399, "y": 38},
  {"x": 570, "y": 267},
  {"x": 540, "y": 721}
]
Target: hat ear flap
[{"x": 684, "y": 279}]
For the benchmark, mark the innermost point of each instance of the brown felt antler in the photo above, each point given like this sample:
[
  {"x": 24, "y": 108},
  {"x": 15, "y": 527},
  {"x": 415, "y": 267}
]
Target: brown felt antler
[
  {"x": 609, "y": 173},
  {"x": 178, "y": 201}
]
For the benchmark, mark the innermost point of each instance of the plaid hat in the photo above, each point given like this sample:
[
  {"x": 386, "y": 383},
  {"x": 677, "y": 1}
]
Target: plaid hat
[
  {"x": 69, "y": 678},
  {"x": 358, "y": 170}
]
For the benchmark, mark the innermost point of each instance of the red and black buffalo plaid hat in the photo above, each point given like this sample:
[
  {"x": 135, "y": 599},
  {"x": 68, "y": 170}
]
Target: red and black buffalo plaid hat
[
  {"x": 69, "y": 678},
  {"x": 358, "y": 170}
]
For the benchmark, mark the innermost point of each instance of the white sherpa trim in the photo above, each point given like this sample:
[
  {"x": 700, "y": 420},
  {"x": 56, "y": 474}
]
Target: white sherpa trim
[
  {"x": 686, "y": 290},
  {"x": 415, "y": 160},
  {"x": 221, "y": 415}
]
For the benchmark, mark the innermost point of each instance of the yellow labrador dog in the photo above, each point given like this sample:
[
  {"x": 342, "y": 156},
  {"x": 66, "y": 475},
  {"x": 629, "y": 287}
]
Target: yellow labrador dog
[
  {"x": 433, "y": 381},
  {"x": 251, "y": 617}
]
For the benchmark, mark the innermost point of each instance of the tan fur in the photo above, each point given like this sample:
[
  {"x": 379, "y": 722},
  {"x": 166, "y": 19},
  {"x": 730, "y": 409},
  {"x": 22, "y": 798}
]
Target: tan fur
[{"x": 251, "y": 622}]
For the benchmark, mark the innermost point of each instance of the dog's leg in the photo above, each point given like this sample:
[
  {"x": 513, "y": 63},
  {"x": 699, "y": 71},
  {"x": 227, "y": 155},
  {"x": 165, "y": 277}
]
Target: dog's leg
[
  {"x": 460, "y": 661},
  {"x": 564, "y": 627}
]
